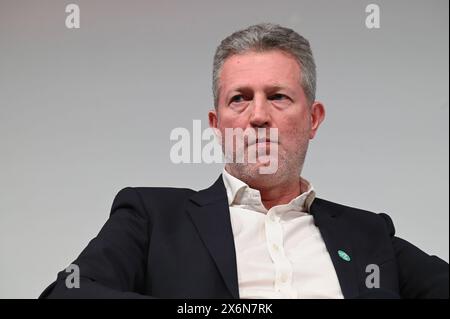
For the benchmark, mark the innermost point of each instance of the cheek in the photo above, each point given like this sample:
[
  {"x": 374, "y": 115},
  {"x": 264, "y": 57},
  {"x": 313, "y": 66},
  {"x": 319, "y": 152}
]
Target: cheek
[
  {"x": 298, "y": 123},
  {"x": 231, "y": 122},
  {"x": 292, "y": 133}
]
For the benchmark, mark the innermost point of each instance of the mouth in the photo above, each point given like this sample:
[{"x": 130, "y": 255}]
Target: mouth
[{"x": 262, "y": 141}]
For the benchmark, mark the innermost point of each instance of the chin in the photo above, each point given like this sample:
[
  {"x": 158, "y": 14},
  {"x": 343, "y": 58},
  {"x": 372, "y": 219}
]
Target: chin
[{"x": 251, "y": 173}]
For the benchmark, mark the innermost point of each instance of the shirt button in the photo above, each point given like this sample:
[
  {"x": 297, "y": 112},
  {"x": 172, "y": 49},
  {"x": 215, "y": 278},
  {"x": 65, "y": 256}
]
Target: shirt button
[
  {"x": 275, "y": 247},
  {"x": 283, "y": 278}
]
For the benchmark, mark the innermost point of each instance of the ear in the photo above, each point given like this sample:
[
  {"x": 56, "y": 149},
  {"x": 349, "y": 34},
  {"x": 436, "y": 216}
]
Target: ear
[
  {"x": 317, "y": 116},
  {"x": 213, "y": 118}
]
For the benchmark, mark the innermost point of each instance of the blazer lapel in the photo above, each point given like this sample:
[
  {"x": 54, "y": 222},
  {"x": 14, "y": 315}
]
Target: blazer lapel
[
  {"x": 211, "y": 216},
  {"x": 336, "y": 235}
]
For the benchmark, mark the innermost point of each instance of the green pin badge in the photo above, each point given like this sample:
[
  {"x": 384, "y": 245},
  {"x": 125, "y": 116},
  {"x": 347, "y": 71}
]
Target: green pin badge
[{"x": 344, "y": 255}]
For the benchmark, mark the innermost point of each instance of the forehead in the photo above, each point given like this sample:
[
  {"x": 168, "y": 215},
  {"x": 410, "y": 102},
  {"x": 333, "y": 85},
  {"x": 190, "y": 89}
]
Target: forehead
[{"x": 260, "y": 69}]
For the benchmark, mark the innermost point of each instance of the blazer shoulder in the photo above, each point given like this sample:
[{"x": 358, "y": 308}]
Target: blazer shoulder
[
  {"x": 357, "y": 215},
  {"x": 151, "y": 199},
  {"x": 164, "y": 191}
]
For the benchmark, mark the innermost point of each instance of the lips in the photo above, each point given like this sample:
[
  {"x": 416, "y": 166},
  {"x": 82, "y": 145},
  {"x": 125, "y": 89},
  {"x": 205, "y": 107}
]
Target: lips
[
  {"x": 263, "y": 140},
  {"x": 258, "y": 136}
]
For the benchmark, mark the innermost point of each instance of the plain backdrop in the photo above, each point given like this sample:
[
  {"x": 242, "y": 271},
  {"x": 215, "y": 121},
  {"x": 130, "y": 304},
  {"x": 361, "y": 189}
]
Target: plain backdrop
[{"x": 86, "y": 112}]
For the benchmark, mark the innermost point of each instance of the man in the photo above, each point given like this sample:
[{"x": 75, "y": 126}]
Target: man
[{"x": 253, "y": 235}]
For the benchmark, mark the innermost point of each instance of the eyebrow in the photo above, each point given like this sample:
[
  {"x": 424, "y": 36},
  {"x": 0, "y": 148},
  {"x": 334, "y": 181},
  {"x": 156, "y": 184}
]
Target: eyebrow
[
  {"x": 247, "y": 88},
  {"x": 244, "y": 88}
]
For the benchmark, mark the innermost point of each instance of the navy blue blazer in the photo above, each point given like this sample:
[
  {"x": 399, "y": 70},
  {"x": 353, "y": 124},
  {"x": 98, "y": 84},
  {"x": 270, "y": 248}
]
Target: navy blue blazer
[{"x": 178, "y": 243}]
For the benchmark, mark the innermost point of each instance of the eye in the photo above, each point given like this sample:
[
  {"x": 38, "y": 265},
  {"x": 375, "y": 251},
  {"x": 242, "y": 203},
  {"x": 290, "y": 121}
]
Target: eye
[
  {"x": 237, "y": 99},
  {"x": 278, "y": 97}
]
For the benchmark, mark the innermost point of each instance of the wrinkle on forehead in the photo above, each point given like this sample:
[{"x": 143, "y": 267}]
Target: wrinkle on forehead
[{"x": 261, "y": 70}]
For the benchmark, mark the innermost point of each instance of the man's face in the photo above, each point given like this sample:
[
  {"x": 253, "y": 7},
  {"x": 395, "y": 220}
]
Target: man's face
[{"x": 263, "y": 90}]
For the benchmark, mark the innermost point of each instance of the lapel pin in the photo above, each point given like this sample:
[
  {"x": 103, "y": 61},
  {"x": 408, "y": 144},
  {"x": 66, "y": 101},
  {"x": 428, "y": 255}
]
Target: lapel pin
[{"x": 344, "y": 255}]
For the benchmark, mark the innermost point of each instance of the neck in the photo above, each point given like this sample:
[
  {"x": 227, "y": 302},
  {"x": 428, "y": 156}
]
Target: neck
[
  {"x": 274, "y": 190},
  {"x": 279, "y": 194}
]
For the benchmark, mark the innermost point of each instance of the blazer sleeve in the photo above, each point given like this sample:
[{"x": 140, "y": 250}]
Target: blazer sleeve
[
  {"x": 113, "y": 265},
  {"x": 420, "y": 275}
]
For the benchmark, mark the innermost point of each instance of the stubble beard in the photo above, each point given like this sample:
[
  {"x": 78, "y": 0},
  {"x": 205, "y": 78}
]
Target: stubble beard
[{"x": 290, "y": 165}]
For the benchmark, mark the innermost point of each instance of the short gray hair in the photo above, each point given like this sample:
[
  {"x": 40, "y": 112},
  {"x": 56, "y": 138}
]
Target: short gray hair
[{"x": 266, "y": 37}]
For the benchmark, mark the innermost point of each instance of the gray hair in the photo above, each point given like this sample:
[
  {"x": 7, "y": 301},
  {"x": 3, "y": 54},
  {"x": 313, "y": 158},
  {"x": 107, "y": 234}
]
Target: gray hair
[{"x": 266, "y": 37}]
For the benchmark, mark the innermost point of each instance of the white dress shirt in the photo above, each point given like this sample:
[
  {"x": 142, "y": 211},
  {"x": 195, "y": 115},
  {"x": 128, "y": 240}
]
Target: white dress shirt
[{"x": 280, "y": 253}]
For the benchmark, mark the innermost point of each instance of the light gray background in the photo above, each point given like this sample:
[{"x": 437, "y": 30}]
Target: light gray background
[{"x": 84, "y": 113}]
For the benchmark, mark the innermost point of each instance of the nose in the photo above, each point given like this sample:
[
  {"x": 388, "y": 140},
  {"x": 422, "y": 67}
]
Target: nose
[{"x": 260, "y": 112}]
